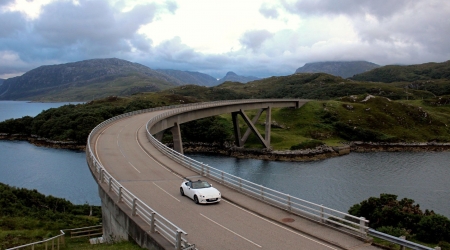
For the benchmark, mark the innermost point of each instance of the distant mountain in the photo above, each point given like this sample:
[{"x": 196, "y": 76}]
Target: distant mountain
[
  {"x": 233, "y": 77},
  {"x": 338, "y": 68},
  {"x": 85, "y": 80},
  {"x": 409, "y": 73},
  {"x": 1, "y": 81},
  {"x": 189, "y": 77}
]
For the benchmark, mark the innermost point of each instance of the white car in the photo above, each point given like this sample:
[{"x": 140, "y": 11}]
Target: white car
[{"x": 200, "y": 191}]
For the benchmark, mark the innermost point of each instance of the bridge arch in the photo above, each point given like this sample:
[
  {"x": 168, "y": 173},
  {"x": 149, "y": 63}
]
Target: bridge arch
[{"x": 172, "y": 120}]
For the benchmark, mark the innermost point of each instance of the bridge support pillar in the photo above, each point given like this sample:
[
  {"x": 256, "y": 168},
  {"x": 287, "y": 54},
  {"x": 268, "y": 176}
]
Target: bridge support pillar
[
  {"x": 177, "y": 142},
  {"x": 159, "y": 135},
  {"x": 251, "y": 127}
]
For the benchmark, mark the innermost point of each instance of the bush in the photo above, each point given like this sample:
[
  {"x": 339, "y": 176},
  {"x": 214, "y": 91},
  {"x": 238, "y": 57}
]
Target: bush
[
  {"x": 387, "y": 214},
  {"x": 434, "y": 228}
]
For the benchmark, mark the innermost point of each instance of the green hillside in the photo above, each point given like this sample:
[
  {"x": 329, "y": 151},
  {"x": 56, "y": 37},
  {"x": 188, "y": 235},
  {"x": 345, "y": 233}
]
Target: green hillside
[
  {"x": 85, "y": 80},
  {"x": 338, "y": 68},
  {"x": 410, "y": 73}
]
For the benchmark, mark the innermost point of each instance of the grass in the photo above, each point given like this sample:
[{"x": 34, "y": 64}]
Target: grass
[
  {"x": 378, "y": 118},
  {"x": 84, "y": 244}
]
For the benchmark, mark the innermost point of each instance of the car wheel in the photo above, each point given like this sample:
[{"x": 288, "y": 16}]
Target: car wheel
[
  {"x": 181, "y": 191},
  {"x": 195, "y": 199}
]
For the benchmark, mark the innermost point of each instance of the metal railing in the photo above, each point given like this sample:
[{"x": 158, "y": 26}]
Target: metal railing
[
  {"x": 46, "y": 243},
  {"x": 58, "y": 241},
  {"x": 399, "y": 241},
  {"x": 342, "y": 221}
]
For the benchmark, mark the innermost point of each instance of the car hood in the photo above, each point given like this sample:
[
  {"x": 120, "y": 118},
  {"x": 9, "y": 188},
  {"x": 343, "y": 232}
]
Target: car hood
[{"x": 208, "y": 191}]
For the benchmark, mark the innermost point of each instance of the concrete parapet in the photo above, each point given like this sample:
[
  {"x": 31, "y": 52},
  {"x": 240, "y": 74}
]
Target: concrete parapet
[{"x": 118, "y": 225}]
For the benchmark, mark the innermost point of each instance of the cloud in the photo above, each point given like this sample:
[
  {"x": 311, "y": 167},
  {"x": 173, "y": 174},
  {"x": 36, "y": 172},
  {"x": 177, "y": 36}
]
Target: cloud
[
  {"x": 269, "y": 11},
  {"x": 245, "y": 36},
  {"x": 10, "y": 23},
  {"x": 70, "y": 31},
  {"x": 379, "y": 9},
  {"x": 254, "y": 38}
]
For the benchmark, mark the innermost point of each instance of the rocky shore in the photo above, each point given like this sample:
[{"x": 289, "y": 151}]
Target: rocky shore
[
  {"x": 313, "y": 154},
  {"x": 228, "y": 149},
  {"x": 43, "y": 142}
]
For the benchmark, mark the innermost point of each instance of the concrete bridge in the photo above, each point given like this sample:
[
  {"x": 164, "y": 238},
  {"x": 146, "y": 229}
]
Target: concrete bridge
[{"x": 139, "y": 180}]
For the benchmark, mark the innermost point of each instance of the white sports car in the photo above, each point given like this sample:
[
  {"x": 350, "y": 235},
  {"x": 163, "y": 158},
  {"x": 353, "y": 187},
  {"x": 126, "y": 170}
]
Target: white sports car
[{"x": 200, "y": 191}]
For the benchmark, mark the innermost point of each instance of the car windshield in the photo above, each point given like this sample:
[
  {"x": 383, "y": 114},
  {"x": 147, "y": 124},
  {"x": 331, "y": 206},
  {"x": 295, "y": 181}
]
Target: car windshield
[{"x": 200, "y": 184}]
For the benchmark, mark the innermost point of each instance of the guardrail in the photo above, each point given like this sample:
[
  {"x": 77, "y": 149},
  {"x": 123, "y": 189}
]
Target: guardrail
[
  {"x": 342, "y": 221},
  {"x": 400, "y": 241},
  {"x": 59, "y": 241},
  {"x": 50, "y": 242}
]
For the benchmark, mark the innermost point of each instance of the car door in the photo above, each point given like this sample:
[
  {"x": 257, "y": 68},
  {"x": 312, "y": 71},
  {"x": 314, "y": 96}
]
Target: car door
[{"x": 188, "y": 190}]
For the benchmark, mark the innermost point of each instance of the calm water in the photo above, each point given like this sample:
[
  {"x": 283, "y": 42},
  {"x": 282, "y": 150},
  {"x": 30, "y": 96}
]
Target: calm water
[
  {"x": 340, "y": 182},
  {"x": 336, "y": 182},
  {"x": 58, "y": 172}
]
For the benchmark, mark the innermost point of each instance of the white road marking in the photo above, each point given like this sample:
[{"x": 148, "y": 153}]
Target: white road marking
[
  {"x": 166, "y": 192},
  {"x": 134, "y": 167},
  {"x": 231, "y": 231},
  {"x": 120, "y": 149},
  {"x": 151, "y": 157},
  {"x": 285, "y": 228}
]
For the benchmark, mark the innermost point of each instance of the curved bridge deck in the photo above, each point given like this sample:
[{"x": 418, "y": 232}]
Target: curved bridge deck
[{"x": 237, "y": 222}]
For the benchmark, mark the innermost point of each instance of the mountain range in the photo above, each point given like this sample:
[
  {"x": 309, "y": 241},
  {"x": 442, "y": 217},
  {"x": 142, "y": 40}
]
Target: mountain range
[
  {"x": 99, "y": 78},
  {"x": 343, "y": 69},
  {"x": 233, "y": 77}
]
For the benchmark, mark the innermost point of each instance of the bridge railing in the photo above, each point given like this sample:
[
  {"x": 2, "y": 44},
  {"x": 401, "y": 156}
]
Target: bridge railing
[
  {"x": 342, "y": 221},
  {"x": 156, "y": 221}
]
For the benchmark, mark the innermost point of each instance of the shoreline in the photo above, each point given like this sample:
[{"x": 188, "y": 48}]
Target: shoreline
[{"x": 312, "y": 154}]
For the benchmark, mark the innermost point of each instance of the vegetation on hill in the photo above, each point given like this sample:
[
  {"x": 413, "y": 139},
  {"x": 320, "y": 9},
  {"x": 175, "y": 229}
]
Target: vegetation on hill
[
  {"x": 341, "y": 110},
  {"x": 189, "y": 77},
  {"x": 75, "y": 122},
  {"x": 410, "y": 73},
  {"x": 338, "y": 68},
  {"x": 28, "y": 216},
  {"x": 85, "y": 80},
  {"x": 404, "y": 218},
  {"x": 350, "y": 118},
  {"x": 318, "y": 86}
]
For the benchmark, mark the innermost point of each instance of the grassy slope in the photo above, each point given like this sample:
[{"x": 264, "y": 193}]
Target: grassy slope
[
  {"x": 122, "y": 86},
  {"x": 395, "y": 121}
]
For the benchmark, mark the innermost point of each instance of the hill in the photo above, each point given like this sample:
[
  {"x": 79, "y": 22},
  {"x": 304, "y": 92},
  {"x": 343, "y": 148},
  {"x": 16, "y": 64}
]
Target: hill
[
  {"x": 189, "y": 77},
  {"x": 338, "y": 68},
  {"x": 307, "y": 86},
  {"x": 85, "y": 80},
  {"x": 233, "y": 77},
  {"x": 410, "y": 73},
  {"x": 1, "y": 81}
]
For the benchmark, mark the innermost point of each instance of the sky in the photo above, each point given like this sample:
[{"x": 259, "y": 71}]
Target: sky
[{"x": 249, "y": 37}]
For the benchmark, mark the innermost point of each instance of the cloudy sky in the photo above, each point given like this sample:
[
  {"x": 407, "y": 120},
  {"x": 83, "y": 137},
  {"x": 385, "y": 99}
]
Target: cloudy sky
[{"x": 250, "y": 37}]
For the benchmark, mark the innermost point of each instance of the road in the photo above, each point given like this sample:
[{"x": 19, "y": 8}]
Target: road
[{"x": 123, "y": 149}]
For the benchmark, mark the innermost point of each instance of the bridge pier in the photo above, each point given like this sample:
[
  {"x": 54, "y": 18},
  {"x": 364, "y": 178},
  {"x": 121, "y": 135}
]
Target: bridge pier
[
  {"x": 176, "y": 135},
  {"x": 251, "y": 127}
]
